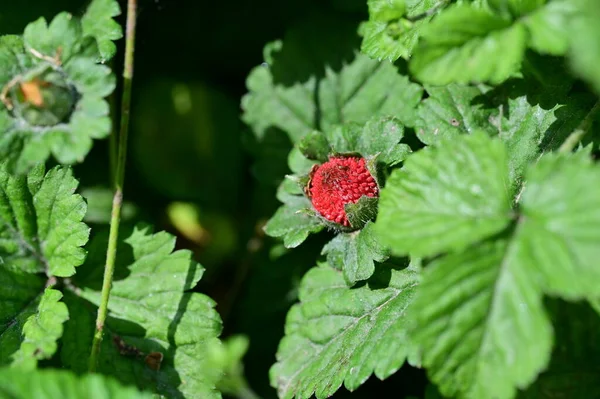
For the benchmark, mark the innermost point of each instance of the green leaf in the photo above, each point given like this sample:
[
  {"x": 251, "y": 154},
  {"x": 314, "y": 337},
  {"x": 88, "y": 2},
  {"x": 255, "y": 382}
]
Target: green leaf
[
  {"x": 515, "y": 8},
  {"x": 151, "y": 311},
  {"x": 560, "y": 225},
  {"x": 42, "y": 228},
  {"x": 20, "y": 295},
  {"x": 355, "y": 253},
  {"x": 340, "y": 335},
  {"x": 452, "y": 110},
  {"x": 40, "y": 232},
  {"x": 42, "y": 330},
  {"x": 378, "y": 137},
  {"x": 387, "y": 35},
  {"x": 584, "y": 35},
  {"x": 292, "y": 91},
  {"x": 52, "y": 384},
  {"x": 391, "y": 40},
  {"x": 98, "y": 23},
  {"x": 446, "y": 197},
  {"x": 63, "y": 32},
  {"x": 293, "y": 221},
  {"x": 549, "y": 27},
  {"x": 466, "y": 44},
  {"x": 529, "y": 120},
  {"x": 480, "y": 322}
]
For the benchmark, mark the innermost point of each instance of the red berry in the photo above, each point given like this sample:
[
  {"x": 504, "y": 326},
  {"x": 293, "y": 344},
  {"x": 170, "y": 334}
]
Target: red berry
[{"x": 337, "y": 182}]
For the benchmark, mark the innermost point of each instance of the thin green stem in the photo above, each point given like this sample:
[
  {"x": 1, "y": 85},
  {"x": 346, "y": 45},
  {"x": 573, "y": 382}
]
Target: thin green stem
[
  {"x": 579, "y": 133},
  {"x": 115, "y": 219}
]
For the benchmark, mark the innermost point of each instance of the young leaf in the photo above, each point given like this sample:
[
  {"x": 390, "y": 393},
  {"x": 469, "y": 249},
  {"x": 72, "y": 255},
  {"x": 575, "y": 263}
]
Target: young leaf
[
  {"x": 446, "y": 197},
  {"x": 351, "y": 89},
  {"x": 561, "y": 215},
  {"x": 378, "y": 137},
  {"x": 42, "y": 330},
  {"x": 480, "y": 322},
  {"x": 355, "y": 253},
  {"x": 98, "y": 23},
  {"x": 466, "y": 44},
  {"x": 584, "y": 35},
  {"x": 52, "y": 384},
  {"x": 151, "y": 316},
  {"x": 40, "y": 232},
  {"x": 338, "y": 335}
]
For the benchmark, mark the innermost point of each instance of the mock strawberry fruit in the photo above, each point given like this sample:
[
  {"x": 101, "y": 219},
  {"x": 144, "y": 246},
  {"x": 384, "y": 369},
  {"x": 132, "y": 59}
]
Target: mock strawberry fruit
[{"x": 337, "y": 182}]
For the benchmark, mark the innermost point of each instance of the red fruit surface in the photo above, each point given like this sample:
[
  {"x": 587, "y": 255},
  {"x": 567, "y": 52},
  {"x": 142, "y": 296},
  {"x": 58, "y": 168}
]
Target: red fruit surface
[{"x": 337, "y": 182}]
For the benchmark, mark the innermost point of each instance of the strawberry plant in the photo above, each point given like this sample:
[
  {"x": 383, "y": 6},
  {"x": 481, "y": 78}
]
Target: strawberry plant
[{"x": 424, "y": 205}]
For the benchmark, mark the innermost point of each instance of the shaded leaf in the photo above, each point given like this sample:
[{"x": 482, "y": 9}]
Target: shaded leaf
[
  {"x": 288, "y": 92},
  {"x": 41, "y": 331}
]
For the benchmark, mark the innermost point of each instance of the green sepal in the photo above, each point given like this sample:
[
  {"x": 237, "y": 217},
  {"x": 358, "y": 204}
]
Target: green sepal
[{"x": 362, "y": 211}]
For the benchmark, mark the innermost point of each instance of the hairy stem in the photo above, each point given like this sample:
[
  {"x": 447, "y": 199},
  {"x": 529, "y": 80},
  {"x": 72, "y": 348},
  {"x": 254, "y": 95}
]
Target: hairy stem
[
  {"x": 115, "y": 219},
  {"x": 579, "y": 133}
]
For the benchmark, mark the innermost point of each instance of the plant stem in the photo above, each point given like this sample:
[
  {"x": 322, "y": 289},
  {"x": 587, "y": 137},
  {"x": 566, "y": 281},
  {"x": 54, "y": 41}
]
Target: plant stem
[
  {"x": 577, "y": 135},
  {"x": 115, "y": 219}
]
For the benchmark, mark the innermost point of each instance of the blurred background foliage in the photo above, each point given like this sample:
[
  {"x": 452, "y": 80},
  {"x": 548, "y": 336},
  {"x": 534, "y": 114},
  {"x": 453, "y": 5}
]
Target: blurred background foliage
[{"x": 194, "y": 168}]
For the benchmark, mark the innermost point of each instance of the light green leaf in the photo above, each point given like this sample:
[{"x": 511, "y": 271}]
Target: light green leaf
[
  {"x": 387, "y": 35},
  {"x": 41, "y": 331},
  {"x": 355, "y": 253},
  {"x": 549, "y": 27},
  {"x": 64, "y": 33},
  {"x": 480, "y": 322},
  {"x": 339, "y": 335},
  {"x": 292, "y": 91},
  {"x": 41, "y": 226},
  {"x": 561, "y": 218},
  {"x": 466, "y": 44},
  {"x": 98, "y": 23},
  {"x": 584, "y": 35},
  {"x": 446, "y": 197},
  {"x": 515, "y": 8},
  {"x": 293, "y": 221},
  {"x": 151, "y": 310},
  {"x": 53, "y": 384},
  {"x": 391, "y": 40}
]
